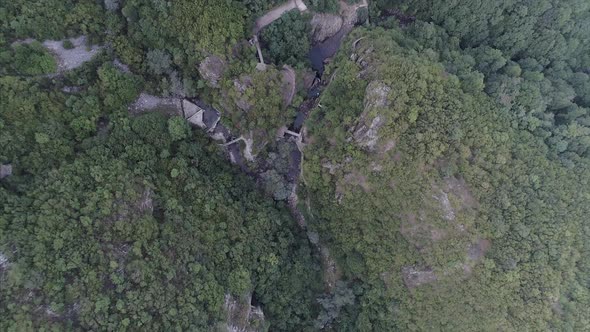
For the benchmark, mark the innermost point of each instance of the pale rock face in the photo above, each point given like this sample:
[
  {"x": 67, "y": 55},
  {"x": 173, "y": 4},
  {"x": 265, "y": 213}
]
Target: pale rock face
[
  {"x": 71, "y": 89},
  {"x": 445, "y": 203},
  {"x": 368, "y": 136},
  {"x": 324, "y": 26},
  {"x": 376, "y": 95},
  {"x": 3, "y": 261},
  {"x": 249, "y": 142},
  {"x": 146, "y": 102},
  {"x": 75, "y": 57},
  {"x": 218, "y": 137},
  {"x": 414, "y": 276},
  {"x": 241, "y": 85},
  {"x": 367, "y": 129},
  {"x": 241, "y": 315},
  {"x": 211, "y": 69}
]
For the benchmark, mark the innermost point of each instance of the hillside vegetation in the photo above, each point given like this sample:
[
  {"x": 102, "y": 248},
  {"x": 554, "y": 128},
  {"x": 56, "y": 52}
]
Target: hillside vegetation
[
  {"x": 439, "y": 182},
  {"x": 441, "y": 212}
]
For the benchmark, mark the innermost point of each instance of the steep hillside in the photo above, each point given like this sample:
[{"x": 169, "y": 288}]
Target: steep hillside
[{"x": 441, "y": 214}]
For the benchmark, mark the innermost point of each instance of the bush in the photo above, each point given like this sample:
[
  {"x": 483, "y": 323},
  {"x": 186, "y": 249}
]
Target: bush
[
  {"x": 67, "y": 44},
  {"x": 325, "y": 6},
  {"x": 178, "y": 128},
  {"x": 33, "y": 59}
]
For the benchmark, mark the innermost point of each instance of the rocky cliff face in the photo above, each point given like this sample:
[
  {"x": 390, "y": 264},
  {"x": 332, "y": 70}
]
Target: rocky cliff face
[
  {"x": 373, "y": 166},
  {"x": 366, "y": 132},
  {"x": 324, "y": 26},
  {"x": 241, "y": 315}
]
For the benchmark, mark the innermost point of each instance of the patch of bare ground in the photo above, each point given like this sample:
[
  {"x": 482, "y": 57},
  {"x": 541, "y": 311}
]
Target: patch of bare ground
[
  {"x": 475, "y": 254},
  {"x": 69, "y": 59},
  {"x": 444, "y": 202},
  {"x": 459, "y": 188},
  {"x": 448, "y": 202},
  {"x": 477, "y": 251},
  {"x": 419, "y": 232},
  {"x": 350, "y": 180},
  {"x": 386, "y": 147},
  {"x": 358, "y": 179},
  {"x": 415, "y": 276},
  {"x": 148, "y": 103},
  {"x": 331, "y": 271}
]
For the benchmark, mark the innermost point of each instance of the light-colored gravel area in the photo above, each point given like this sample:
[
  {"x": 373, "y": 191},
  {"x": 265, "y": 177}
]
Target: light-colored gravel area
[{"x": 72, "y": 58}]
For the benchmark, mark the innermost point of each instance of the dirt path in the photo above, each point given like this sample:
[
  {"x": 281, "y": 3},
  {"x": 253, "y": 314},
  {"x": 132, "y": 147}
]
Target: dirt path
[
  {"x": 289, "y": 79},
  {"x": 146, "y": 103},
  {"x": 258, "y": 49},
  {"x": 277, "y": 12}
]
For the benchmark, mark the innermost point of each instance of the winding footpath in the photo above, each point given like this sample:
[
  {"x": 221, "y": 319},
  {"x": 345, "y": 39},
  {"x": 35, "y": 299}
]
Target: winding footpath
[{"x": 275, "y": 13}]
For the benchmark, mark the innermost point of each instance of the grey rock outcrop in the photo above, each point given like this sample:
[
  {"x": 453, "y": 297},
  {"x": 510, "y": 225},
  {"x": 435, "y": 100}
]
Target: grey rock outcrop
[
  {"x": 146, "y": 103},
  {"x": 241, "y": 85},
  {"x": 72, "y": 58},
  {"x": 211, "y": 69},
  {"x": 324, "y": 26},
  {"x": 366, "y": 131},
  {"x": 414, "y": 276}
]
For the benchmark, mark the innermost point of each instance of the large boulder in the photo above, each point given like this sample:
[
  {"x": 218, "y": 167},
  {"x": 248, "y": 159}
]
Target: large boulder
[
  {"x": 324, "y": 26},
  {"x": 211, "y": 69},
  {"x": 240, "y": 86}
]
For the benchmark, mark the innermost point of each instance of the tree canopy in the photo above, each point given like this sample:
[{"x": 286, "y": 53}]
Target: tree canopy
[{"x": 438, "y": 182}]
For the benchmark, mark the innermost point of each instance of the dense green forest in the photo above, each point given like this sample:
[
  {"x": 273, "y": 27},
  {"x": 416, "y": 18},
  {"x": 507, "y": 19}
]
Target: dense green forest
[
  {"x": 440, "y": 182},
  {"x": 138, "y": 223},
  {"x": 532, "y": 57}
]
